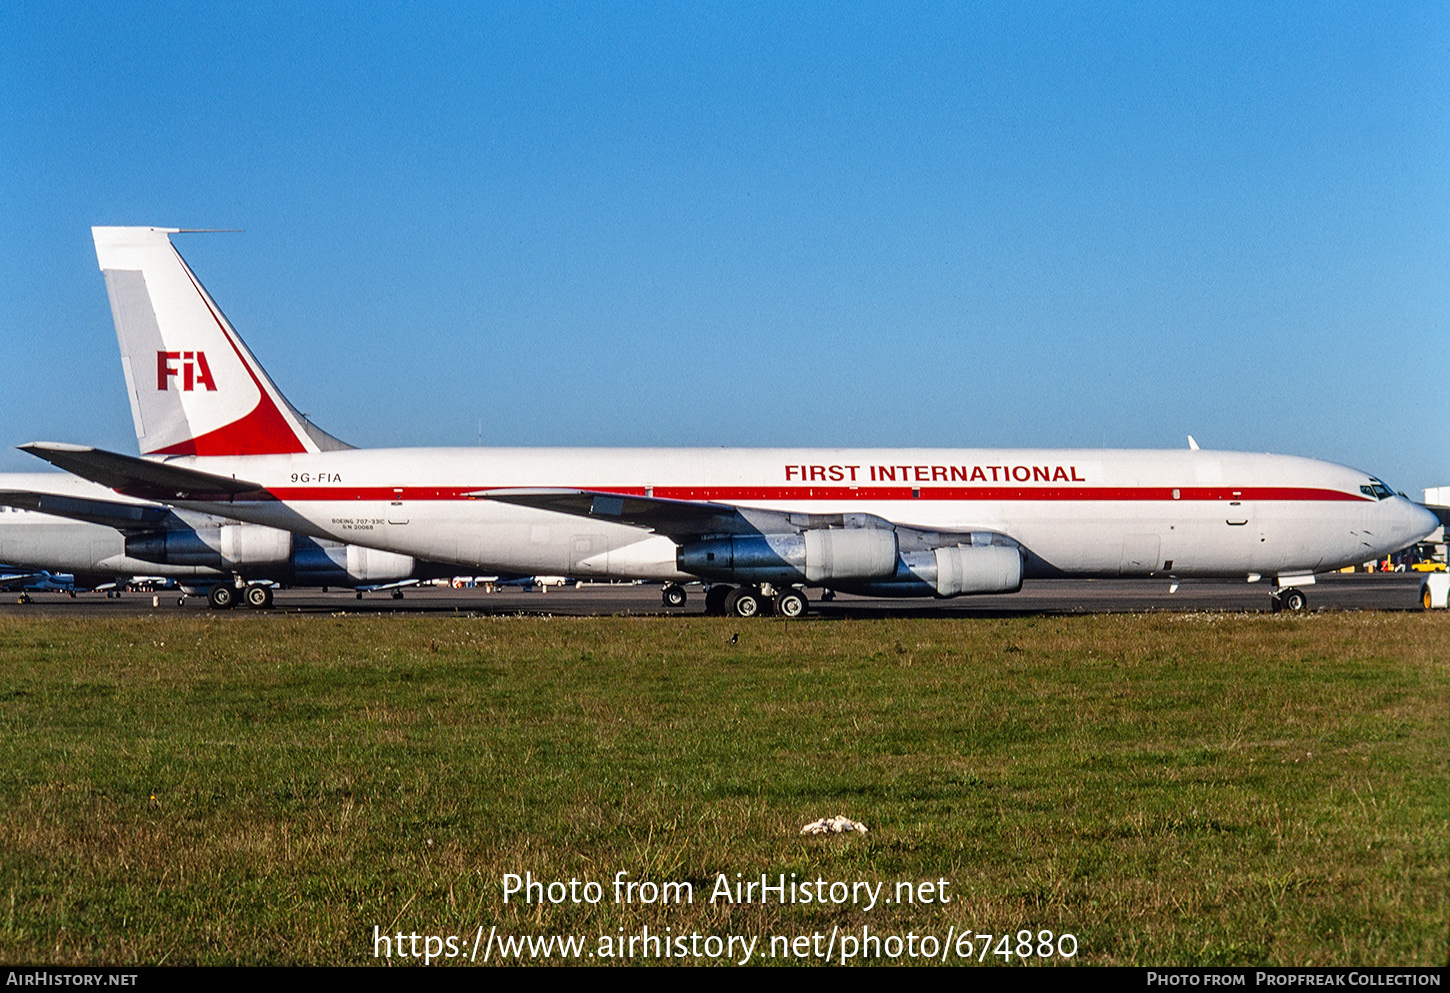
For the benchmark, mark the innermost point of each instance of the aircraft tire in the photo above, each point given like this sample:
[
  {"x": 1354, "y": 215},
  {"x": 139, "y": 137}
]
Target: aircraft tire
[
  {"x": 791, "y": 604},
  {"x": 222, "y": 596},
  {"x": 1293, "y": 601},
  {"x": 715, "y": 598},
  {"x": 674, "y": 595},
  {"x": 745, "y": 602},
  {"x": 259, "y": 597}
]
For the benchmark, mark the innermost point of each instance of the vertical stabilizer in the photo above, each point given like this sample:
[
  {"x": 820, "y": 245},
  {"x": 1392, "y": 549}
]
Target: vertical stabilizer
[{"x": 194, "y": 387}]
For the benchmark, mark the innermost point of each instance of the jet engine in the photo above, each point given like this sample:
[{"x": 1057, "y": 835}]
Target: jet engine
[
  {"x": 818, "y": 556},
  {"x": 232, "y": 547},
  {"x": 255, "y": 551},
  {"x": 328, "y": 564},
  {"x": 949, "y": 571}
]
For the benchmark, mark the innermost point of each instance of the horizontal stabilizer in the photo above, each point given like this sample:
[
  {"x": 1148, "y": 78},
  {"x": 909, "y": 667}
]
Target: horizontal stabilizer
[
  {"x": 111, "y": 513},
  {"x": 139, "y": 477}
]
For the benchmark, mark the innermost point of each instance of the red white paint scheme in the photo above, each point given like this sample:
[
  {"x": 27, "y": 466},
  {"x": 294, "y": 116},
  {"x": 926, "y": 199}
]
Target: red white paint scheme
[{"x": 219, "y": 436}]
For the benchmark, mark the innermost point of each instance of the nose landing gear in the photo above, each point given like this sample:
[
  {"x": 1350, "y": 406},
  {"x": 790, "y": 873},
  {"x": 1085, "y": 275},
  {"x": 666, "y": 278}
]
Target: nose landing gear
[{"x": 1291, "y": 599}]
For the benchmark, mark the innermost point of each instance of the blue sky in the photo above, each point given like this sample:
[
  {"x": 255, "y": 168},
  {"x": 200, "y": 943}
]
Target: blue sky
[{"x": 974, "y": 224}]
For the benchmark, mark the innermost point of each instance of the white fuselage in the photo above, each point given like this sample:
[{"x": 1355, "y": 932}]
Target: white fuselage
[{"x": 1079, "y": 512}]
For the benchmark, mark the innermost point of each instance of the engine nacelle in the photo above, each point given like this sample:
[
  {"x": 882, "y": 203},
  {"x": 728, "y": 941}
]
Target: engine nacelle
[
  {"x": 371, "y": 565},
  {"x": 954, "y": 570},
  {"x": 348, "y": 565},
  {"x": 817, "y": 556},
  {"x": 255, "y": 545},
  {"x": 973, "y": 569},
  {"x": 259, "y": 552},
  {"x": 232, "y": 547}
]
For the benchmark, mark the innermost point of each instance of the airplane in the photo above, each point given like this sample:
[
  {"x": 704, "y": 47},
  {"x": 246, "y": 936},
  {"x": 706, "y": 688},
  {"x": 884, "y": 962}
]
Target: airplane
[
  {"x": 760, "y": 526},
  {"x": 16, "y": 579},
  {"x": 53, "y": 522},
  {"x": 37, "y": 580}
]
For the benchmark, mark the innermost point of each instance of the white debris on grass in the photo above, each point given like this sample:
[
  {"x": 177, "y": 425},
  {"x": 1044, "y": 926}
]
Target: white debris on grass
[{"x": 840, "y": 824}]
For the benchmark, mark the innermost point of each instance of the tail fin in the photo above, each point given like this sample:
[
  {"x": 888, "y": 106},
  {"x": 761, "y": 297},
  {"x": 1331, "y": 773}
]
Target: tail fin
[{"x": 195, "y": 388}]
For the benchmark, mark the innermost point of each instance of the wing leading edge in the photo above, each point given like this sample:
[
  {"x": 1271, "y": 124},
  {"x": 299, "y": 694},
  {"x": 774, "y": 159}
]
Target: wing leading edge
[{"x": 680, "y": 520}]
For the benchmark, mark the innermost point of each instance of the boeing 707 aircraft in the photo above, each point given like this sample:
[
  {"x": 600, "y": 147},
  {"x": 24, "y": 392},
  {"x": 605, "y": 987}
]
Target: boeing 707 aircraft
[{"x": 761, "y": 526}]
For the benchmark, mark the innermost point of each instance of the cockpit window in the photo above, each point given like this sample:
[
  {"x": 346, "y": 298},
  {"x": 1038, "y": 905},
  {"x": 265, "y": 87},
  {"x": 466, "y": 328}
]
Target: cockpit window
[{"x": 1376, "y": 489}]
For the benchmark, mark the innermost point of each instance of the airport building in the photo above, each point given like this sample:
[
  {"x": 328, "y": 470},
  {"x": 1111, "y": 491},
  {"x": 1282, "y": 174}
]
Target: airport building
[{"x": 1437, "y": 498}]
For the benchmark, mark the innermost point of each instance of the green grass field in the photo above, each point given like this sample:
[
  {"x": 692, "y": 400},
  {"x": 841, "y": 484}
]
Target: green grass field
[{"x": 1168, "y": 789}]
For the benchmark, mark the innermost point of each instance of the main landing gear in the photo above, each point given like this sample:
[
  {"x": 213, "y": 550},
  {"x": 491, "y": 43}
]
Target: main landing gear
[
  {"x": 225, "y": 596},
  {"x": 756, "y": 601}
]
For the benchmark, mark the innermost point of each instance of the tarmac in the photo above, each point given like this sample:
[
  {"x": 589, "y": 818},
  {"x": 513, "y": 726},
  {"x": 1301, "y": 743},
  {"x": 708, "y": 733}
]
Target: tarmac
[{"x": 1338, "y": 591}]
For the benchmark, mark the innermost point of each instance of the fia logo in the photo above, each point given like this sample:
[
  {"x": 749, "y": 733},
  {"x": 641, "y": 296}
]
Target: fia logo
[{"x": 193, "y": 371}]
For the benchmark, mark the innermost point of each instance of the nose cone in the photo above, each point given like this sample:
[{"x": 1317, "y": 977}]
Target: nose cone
[{"x": 1413, "y": 521}]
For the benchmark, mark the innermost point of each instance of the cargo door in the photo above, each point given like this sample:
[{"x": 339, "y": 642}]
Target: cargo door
[{"x": 1244, "y": 540}]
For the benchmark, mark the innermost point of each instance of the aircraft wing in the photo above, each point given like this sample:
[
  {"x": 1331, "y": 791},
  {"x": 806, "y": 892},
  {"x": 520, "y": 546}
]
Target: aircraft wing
[
  {"x": 10, "y": 580},
  {"x": 139, "y": 477},
  {"x": 380, "y": 587},
  {"x": 680, "y": 520},
  {"x": 112, "y": 513}
]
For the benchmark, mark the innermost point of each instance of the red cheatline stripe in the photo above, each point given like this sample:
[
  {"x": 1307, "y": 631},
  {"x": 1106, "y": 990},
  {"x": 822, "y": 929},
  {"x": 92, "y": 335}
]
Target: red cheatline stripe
[{"x": 732, "y": 494}]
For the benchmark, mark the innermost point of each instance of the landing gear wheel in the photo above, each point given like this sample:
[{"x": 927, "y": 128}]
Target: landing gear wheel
[
  {"x": 1293, "y": 600},
  {"x": 791, "y": 604},
  {"x": 222, "y": 597},
  {"x": 744, "y": 602},
  {"x": 23, "y": 598},
  {"x": 715, "y": 598},
  {"x": 259, "y": 597},
  {"x": 397, "y": 594},
  {"x": 674, "y": 595}
]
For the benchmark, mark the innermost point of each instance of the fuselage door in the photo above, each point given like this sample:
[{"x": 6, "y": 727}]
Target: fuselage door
[
  {"x": 1140, "y": 555},
  {"x": 396, "y": 513},
  {"x": 1236, "y": 513}
]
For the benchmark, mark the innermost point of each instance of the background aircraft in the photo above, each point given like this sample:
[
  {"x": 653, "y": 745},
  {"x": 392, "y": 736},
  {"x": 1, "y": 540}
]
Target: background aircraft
[{"x": 54, "y": 523}]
